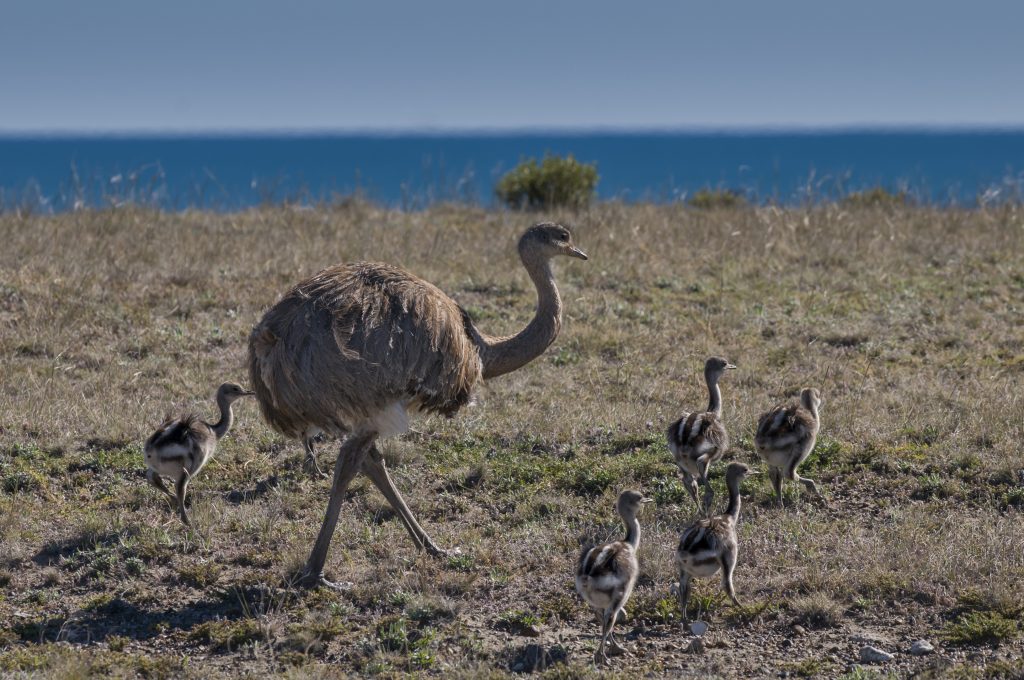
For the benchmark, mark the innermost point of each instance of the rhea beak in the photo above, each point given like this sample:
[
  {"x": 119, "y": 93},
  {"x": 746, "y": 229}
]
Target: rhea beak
[
  {"x": 248, "y": 394},
  {"x": 753, "y": 472},
  {"x": 576, "y": 252},
  {"x": 646, "y": 500},
  {"x": 731, "y": 366}
]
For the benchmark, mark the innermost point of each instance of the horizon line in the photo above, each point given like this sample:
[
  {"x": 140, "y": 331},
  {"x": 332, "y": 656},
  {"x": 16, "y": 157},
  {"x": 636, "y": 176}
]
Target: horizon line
[{"x": 526, "y": 130}]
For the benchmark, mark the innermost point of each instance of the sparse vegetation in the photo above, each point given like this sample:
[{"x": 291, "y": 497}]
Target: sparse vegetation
[
  {"x": 553, "y": 183},
  {"x": 716, "y": 199},
  {"x": 875, "y": 197},
  {"x": 907, "y": 324}
]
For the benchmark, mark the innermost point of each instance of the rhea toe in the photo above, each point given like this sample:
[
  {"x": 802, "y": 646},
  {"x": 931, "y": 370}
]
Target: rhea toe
[
  {"x": 606, "y": 573},
  {"x": 181, "y": 447}
]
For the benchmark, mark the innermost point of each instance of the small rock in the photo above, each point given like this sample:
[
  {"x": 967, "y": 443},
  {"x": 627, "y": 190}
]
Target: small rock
[
  {"x": 531, "y": 631},
  {"x": 698, "y": 628},
  {"x": 869, "y": 654},
  {"x": 799, "y": 630},
  {"x": 921, "y": 647},
  {"x": 696, "y": 646}
]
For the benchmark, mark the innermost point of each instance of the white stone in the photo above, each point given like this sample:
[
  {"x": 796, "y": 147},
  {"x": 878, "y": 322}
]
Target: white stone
[
  {"x": 869, "y": 654},
  {"x": 921, "y": 647},
  {"x": 698, "y": 628}
]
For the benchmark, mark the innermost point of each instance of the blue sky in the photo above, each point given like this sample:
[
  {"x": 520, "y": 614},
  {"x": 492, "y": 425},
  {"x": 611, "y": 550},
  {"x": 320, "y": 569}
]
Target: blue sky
[{"x": 189, "y": 65}]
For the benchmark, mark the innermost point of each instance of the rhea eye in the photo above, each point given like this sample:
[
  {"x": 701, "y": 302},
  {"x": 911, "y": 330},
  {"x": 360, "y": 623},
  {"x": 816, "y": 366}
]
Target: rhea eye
[{"x": 564, "y": 236}]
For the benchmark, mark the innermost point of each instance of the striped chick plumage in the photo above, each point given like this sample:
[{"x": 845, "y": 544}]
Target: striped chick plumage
[
  {"x": 181, "y": 447},
  {"x": 785, "y": 437},
  {"x": 709, "y": 545},
  {"x": 607, "y": 573},
  {"x": 699, "y": 439}
]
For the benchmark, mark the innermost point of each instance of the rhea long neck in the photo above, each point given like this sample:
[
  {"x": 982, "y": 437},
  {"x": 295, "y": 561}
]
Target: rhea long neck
[
  {"x": 632, "y": 529},
  {"x": 502, "y": 355},
  {"x": 714, "y": 394},
  {"x": 733, "y": 509},
  {"x": 227, "y": 416},
  {"x": 811, "y": 407}
]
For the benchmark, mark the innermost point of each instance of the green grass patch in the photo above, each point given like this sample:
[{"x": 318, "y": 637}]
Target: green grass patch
[
  {"x": 227, "y": 635},
  {"x": 978, "y": 627}
]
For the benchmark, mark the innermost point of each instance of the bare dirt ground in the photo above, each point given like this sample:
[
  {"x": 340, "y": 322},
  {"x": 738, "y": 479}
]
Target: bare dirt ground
[{"x": 908, "y": 319}]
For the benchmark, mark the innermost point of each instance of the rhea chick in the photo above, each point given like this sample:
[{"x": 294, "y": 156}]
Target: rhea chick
[
  {"x": 785, "y": 437},
  {"x": 709, "y": 545},
  {"x": 606, "y": 573},
  {"x": 182, "y": 446},
  {"x": 699, "y": 439}
]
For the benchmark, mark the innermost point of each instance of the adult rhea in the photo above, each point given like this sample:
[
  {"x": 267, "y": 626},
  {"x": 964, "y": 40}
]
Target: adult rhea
[{"x": 353, "y": 349}]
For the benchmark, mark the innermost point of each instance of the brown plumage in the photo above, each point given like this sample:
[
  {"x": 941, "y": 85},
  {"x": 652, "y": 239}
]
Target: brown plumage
[
  {"x": 785, "y": 437},
  {"x": 181, "y": 447},
  {"x": 709, "y": 545},
  {"x": 699, "y": 439},
  {"x": 606, "y": 574},
  {"x": 351, "y": 350}
]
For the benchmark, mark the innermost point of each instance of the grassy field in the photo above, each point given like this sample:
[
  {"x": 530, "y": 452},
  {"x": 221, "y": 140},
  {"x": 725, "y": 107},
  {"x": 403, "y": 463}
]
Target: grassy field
[{"x": 908, "y": 319}]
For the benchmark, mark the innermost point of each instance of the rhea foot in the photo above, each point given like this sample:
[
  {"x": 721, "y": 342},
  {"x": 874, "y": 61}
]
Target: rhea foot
[{"x": 310, "y": 580}]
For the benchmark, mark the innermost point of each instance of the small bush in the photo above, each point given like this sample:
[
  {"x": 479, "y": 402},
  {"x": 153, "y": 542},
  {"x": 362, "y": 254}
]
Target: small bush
[
  {"x": 984, "y": 626},
  {"x": 878, "y": 197},
  {"x": 716, "y": 199},
  {"x": 553, "y": 183},
  {"x": 817, "y": 611}
]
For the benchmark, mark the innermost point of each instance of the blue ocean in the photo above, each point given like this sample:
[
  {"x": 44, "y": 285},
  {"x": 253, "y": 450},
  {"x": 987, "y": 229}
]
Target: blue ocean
[{"x": 229, "y": 172}]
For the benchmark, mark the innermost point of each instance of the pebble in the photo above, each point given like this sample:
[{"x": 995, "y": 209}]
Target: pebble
[
  {"x": 869, "y": 654},
  {"x": 921, "y": 647},
  {"x": 799, "y": 630},
  {"x": 531, "y": 631}
]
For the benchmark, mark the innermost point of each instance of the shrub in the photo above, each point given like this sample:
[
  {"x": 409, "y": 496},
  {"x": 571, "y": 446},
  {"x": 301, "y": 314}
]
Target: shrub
[
  {"x": 716, "y": 199},
  {"x": 984, "y": 626},
  {"x": 554, "y": 182},
  {"x": 878, "y": 197}
]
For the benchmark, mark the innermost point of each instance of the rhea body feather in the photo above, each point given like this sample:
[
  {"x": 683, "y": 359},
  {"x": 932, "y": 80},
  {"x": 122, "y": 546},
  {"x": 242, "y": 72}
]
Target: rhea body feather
[
  {"x": 786, "y": 433},
  {"x": 607, "y": 573},
  {"x": 356, "y": 346},
  {"x": 697, "y": 440},
  {"x": 180, "y": 444}
]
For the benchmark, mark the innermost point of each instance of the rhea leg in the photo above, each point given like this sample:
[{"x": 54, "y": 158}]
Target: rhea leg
[
  {"x": 728, "y": 564},
  {"x": 709, "y": 494},
  {"x": 156, "y": 480},
  {"x": 684, "y": 593},
  {"x": 310, "y": 464},
  {"x": 181, "y": 487},
  {"x": 610, "y": 614},
  {"x": 691, "y": 486},
  {"x": 377, "y": 471},
  {"x": 808, "y": 483},
  {"x": 776, "y": 476},
  {"x": 350, "y": 460}
]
